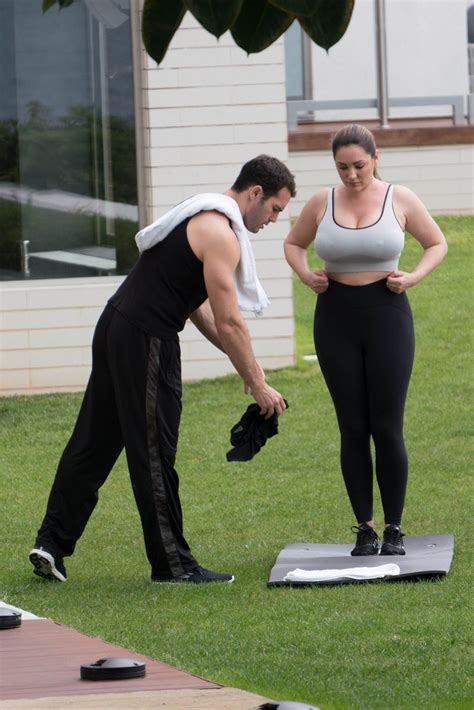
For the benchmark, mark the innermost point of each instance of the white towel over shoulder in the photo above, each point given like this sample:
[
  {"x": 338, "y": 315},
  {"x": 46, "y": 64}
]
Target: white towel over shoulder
[
  {"x": 250, "y": 293},
  {"x": 326, "y": 575}
]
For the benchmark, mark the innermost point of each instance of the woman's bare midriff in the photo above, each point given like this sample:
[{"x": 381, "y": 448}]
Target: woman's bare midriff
[{"x": 357, "y": 278}]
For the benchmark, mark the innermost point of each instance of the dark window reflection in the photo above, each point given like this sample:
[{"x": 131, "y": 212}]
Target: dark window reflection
[{"x": 68, "y": 185}]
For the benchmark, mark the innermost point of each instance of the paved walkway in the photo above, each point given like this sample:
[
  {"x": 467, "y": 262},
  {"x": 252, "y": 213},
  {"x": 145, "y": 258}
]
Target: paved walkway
[
  {"x": 223, "y": 699},
  {"x": 40, "y": 668}
]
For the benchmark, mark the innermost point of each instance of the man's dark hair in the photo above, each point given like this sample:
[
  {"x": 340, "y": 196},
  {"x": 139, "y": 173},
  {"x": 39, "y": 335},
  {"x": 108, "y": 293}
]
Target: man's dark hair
[{"x": 268, "y": 172}]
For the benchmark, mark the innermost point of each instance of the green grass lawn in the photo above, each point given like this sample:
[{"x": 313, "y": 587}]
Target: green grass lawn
[{"x": 375, "y": 645}]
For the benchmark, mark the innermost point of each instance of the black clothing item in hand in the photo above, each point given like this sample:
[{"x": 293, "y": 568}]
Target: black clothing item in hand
[{"x": 251, "y": 433}]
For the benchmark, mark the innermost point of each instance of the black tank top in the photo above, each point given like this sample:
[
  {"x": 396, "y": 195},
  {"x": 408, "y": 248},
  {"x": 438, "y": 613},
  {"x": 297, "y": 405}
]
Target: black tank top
[{"x": 164, "y": 287}]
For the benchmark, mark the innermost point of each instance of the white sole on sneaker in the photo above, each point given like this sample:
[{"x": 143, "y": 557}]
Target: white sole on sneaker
[{"x": 44, "y": 565}]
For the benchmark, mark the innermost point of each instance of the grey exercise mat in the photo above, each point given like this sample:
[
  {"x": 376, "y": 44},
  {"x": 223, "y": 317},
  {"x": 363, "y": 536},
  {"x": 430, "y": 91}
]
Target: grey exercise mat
[{"x": 426, "y": 556}]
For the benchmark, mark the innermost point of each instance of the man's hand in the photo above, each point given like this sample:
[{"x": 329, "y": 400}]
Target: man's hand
[{"x": 269, "y": 400}]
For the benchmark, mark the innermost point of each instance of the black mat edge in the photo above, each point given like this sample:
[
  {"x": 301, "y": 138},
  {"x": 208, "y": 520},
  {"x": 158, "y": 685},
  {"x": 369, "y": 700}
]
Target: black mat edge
[{"x": 389, "y": 578}]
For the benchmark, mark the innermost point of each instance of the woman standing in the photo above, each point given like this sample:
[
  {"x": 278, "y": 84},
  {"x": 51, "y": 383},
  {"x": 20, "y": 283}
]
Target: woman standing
[{"x": 363, "y": 328}]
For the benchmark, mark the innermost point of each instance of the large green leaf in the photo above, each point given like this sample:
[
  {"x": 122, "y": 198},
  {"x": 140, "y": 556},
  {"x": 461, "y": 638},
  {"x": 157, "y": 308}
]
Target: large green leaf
[
  {"x": 216, "y": 16},
  {"x": 161, "y": 19},
  {"x": 295, "y": 7},
  {"x": 328, "y": 22},
  {"x": 259, "y": 24},
  {"x": 47, "y": 4}
]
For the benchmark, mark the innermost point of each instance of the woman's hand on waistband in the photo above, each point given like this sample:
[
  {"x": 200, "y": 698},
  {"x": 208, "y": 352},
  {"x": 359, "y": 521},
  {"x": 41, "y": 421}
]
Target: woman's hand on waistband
[
  {"x": 399, "y": 281},
  {"x": 317, "y": 281}
]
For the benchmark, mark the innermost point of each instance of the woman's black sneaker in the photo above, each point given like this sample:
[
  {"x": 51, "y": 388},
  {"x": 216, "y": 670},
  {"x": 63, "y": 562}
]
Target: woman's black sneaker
[
  {"x": 367, "y": 542},
  {"x": 198, "y": 575},
  {"x": 46, "y": 565},
  {"x": 392, "y": 541}
]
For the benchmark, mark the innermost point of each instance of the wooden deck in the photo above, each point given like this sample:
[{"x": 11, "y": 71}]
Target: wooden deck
[
  {"x": 42, "y": 659},
  {"x": 401, "y": 132}
]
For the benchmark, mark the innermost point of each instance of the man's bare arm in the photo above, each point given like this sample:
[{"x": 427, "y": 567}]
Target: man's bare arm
[
  {"x": 203, "y": 319},
  {"x": 214, "y": 242}
]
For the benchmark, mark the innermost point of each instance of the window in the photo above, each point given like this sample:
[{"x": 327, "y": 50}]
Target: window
[
  {"x": 68, "y": 181},
  {"x": 298, "y": 63},
  {"x": 470, "y": 45}
]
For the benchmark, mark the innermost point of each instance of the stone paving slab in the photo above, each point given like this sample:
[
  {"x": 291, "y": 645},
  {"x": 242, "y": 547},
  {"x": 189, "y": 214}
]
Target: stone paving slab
[{"x": 217, "y": 699}]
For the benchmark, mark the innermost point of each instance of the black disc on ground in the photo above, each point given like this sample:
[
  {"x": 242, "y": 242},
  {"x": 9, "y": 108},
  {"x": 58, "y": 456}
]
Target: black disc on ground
[
  {"x": 286, "y": 705},
  {"x": 9, "y": 618},
  {"x": 113, "y": 669}
]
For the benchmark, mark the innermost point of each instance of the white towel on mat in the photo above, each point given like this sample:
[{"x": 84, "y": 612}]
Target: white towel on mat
[
  {"x": 250, "y": 293},
  {"x": 326, "y": 575}
]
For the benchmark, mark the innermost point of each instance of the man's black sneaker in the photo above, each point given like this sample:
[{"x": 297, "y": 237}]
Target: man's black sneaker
[
  {"x": 392, "y": 541},
  {"x": 45, "y": 565},
  {"x": 367, "y": 542},
  {"x": 198, "y": 575}
]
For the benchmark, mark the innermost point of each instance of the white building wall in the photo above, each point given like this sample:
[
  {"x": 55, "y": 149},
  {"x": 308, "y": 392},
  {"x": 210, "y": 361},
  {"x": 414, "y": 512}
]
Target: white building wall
[
  {"x": 426, "y": 56},
  {"x": 441, "y": 176},
  {"x": 209, "y": 109},
  {"x": 46, "y": 332}
]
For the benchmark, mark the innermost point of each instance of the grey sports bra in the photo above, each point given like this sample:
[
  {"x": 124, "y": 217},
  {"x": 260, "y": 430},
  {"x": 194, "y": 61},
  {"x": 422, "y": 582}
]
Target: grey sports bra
[{"x": 373, "y": 248}]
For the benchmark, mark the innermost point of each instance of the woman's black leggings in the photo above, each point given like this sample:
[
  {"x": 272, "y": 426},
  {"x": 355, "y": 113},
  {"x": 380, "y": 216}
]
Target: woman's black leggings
[{"x": 365, "y": 345}]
